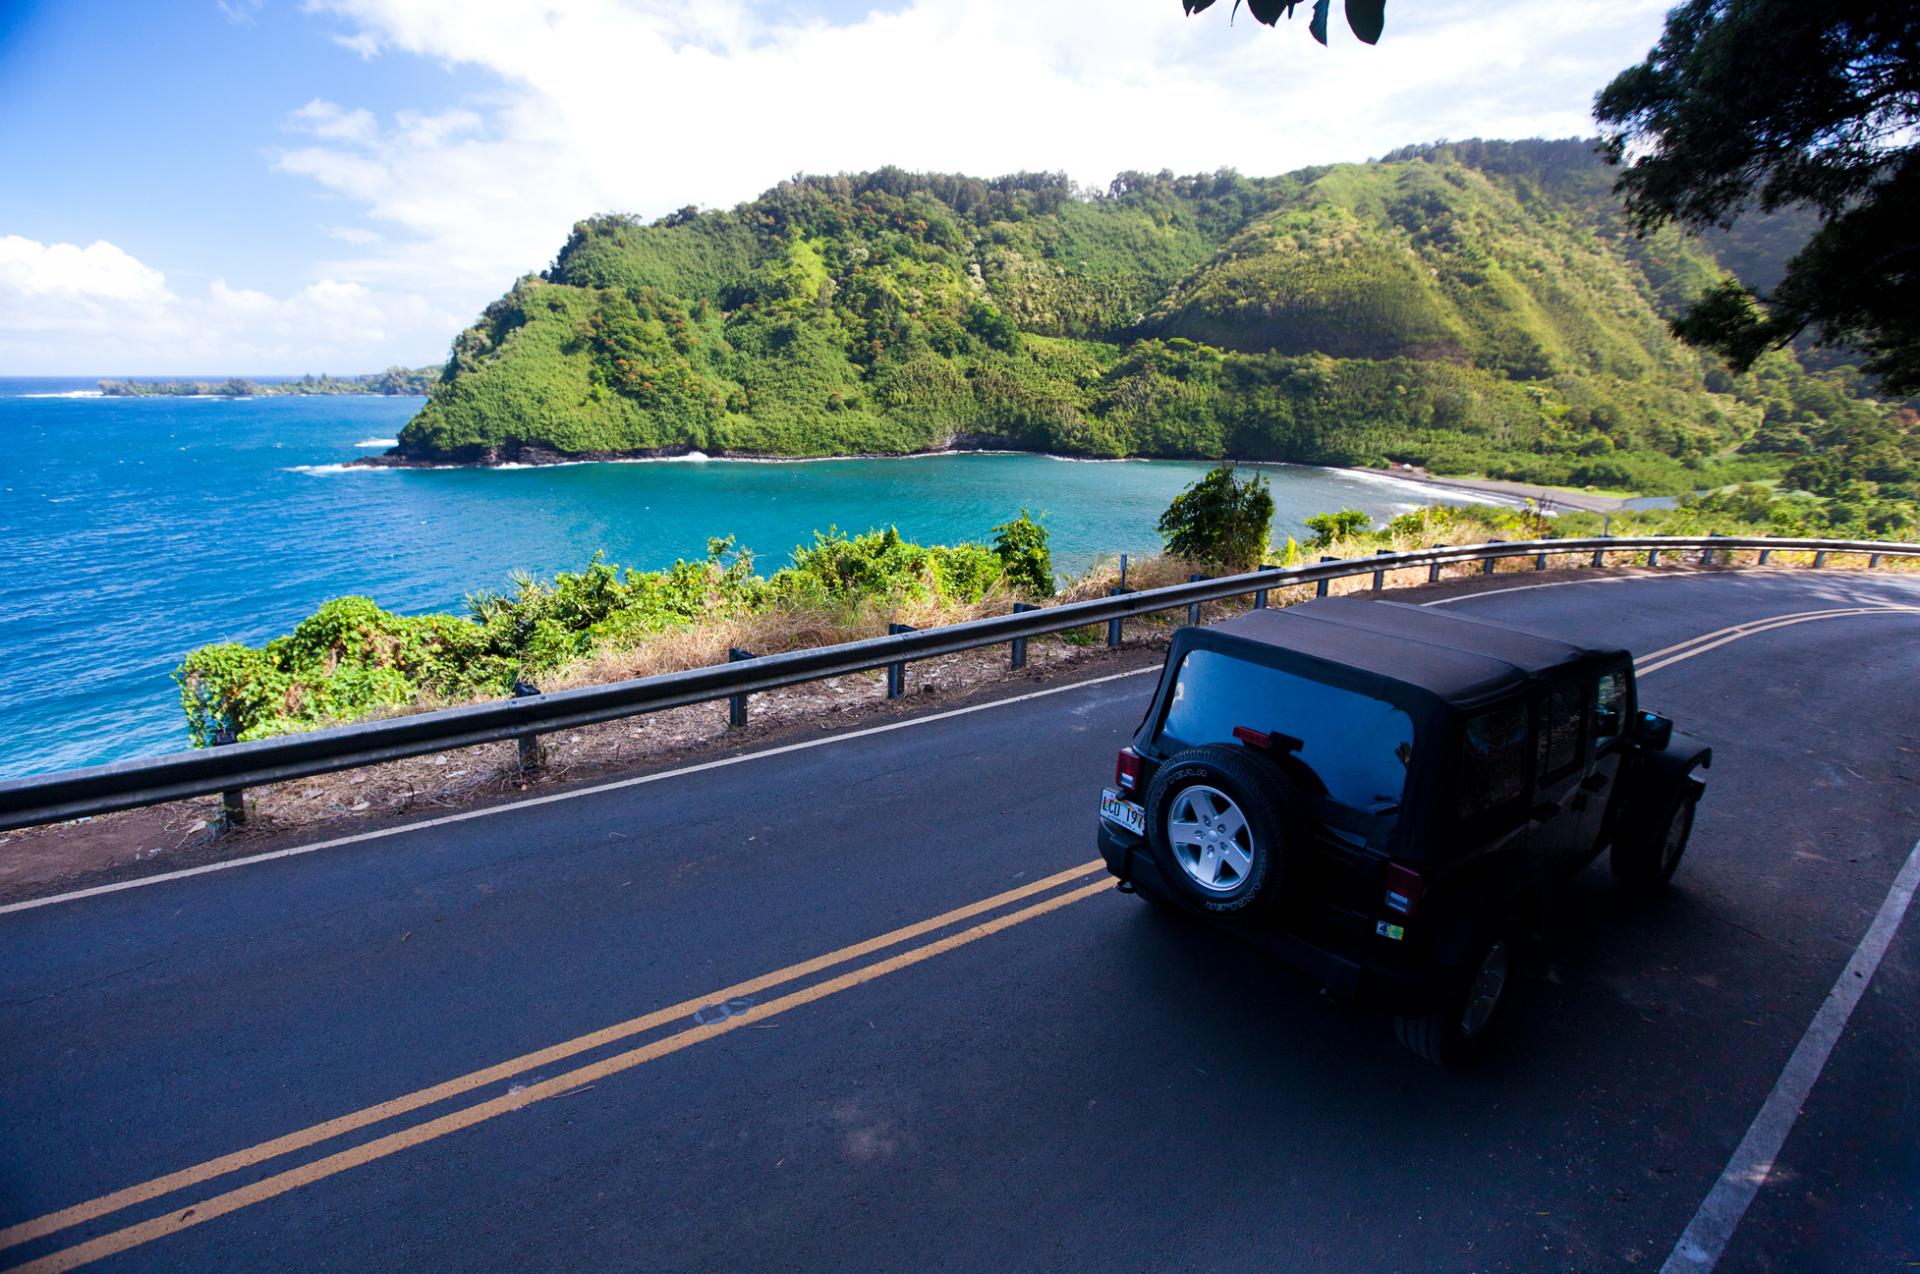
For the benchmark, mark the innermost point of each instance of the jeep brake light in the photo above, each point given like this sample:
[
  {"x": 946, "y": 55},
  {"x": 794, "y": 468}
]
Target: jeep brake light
[
  {"x": 1126, "y": 770},
  {"x": 1404, "y": 888},
  {"x": 1253, "y": 738}
]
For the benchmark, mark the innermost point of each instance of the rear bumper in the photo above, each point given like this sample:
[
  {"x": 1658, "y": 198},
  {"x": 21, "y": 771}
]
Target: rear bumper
[{"x": 1349, "y": 976}]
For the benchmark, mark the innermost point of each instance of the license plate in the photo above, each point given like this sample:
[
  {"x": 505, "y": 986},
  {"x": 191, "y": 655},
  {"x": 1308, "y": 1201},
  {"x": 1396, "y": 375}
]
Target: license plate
[{"x": 1116, "y": 809}]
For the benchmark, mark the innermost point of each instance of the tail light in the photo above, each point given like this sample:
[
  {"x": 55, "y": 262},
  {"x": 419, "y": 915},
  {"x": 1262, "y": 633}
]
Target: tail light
[
  {"x": 1126, "y": 770},
  {"x": 1404, "y": 888}
]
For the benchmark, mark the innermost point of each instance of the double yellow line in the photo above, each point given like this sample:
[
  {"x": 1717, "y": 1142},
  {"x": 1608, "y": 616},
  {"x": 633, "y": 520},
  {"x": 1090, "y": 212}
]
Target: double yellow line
[
  {"x": 1654, "y": 661},
  {"x": 182, "y": 1218}
]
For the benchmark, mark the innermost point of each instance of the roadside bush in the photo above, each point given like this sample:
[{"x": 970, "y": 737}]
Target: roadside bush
[
  {"x": 351, "y": 659},
  {"x": 1220, "y": 521},
  {"x": 1025, "y": 558},
  {"x": 1340, "y": 525}
]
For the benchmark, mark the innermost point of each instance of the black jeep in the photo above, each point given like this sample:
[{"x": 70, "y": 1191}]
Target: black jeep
[{"x": 1381, "y": 794}]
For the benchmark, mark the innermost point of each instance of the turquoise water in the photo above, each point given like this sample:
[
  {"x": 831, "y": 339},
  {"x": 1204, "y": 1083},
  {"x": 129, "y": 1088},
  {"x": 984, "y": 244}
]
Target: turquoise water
[{"x": 136, "y": 529}]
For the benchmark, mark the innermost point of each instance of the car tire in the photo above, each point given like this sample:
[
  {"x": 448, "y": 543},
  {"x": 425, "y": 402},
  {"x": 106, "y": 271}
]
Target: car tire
[
  {"x": 1218, "y": 821},
  {"x": 1646, "y": 861},
  {"x": 1476, "y": 998}
]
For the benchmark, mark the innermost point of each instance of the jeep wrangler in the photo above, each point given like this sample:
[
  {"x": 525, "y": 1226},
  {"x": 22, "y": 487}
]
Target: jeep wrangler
[{"x": 1381, "y": 796}]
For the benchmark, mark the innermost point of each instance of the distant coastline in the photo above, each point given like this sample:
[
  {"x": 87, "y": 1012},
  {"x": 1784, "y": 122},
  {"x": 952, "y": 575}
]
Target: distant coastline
[{"x": 393, "y": 382}]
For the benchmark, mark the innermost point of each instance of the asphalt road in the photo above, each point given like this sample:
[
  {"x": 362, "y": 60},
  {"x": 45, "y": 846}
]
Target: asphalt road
[{"x": 1061, "y": 1079}]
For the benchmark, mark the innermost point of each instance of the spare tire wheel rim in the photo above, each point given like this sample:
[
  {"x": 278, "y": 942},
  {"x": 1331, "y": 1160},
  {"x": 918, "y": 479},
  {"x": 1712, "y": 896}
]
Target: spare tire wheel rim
[
  {"x": 1210, "y": 838},
  {"x": 1483, "y": 994}
]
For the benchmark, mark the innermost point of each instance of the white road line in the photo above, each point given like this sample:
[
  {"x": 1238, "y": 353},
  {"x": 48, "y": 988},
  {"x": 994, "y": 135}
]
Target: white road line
[
  {"x": 1558, "y": 583},
  {"x": 1705, "y": 1239},
  {"x": 489, "y": 811}
]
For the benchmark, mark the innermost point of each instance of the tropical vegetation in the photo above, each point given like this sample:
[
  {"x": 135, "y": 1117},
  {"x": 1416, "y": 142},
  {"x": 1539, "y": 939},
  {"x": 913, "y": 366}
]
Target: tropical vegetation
[
  {"x": 1767, "y": 104},
  {"x": 393, "y": 381},
  {"x": 352, "y": 658},
  {"x": 1473, "y": 307}
]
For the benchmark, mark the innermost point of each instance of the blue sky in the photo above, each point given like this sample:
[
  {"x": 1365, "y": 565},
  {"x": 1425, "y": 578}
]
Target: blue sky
[{"x": 266, "y": 186}]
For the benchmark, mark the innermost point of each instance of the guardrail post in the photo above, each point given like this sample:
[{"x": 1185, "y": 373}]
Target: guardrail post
[
  {"x": 533, "y": 755},
  {"x": 1599, "y": 557},
  {"x": 1113, "y": 625},
  {"x": 233, "y": 801},
  {"x": 1380, "y": 576},
  {"x": 1260, "y": 594},
  {"x": 1433, "y": 568},
  {"x": 1819, "y": 559},
  {"x": 897, "y": 671},
  {"x": 1873, "y": 560},
  {"x": 1487, "y": 563},
  {"x": 1653, "y": 557},
  {"x": 1123, "y": 570},
  {"x": 1707, "y": 557},
  {"x": 1193, "y": 608},
  {"x": 1320, "y": 589},
  {"x": 1019, "y": 644},
  {"x": 1540, "y": 562},
  {"x": 1764, "y": 555},
  {"x": 737, "y": 704}
]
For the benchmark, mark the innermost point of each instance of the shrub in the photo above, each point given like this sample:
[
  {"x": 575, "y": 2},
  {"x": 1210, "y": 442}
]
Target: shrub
[
  {"x": 1025, "y": 558},
  {"x": 1220, "y": 521},
  {"x": 1343, "y": 524}
]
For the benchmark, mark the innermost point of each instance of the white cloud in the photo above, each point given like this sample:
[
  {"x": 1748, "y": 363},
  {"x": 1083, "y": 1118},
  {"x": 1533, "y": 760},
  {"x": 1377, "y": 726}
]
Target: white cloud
[
  {"x": 64, "y": 308},
  {"x": 647, "y": 105},
  {"x": 331, "y": 122},
  {"x": 97, "y": 273}
]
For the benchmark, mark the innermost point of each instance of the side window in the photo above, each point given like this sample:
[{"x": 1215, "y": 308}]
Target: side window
[
  {"x": 1561, "y": 728},
  {"x": 1493, "y": 769},
  {"x": 1609, "y": 707}
]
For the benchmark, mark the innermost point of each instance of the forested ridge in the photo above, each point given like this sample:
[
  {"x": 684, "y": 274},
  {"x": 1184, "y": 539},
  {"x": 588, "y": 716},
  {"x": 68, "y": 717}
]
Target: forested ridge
[{"x": 1475, "y": 307}]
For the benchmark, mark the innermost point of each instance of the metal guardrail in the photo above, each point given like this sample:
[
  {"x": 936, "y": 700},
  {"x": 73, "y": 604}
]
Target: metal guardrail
[{"x": 128, "y": 784}]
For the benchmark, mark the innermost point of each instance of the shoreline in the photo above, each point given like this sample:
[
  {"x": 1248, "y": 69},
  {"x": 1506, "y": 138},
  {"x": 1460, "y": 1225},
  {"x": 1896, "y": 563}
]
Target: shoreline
[
  {"x": 1544, "y": 497},
  {"x": 524, "y": 456}
]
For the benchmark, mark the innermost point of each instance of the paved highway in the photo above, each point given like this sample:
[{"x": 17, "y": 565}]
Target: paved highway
[{"x": 866, "y": 1003}]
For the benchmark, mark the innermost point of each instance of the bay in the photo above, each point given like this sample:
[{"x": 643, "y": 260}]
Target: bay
[{"x": 137, "y": 529}]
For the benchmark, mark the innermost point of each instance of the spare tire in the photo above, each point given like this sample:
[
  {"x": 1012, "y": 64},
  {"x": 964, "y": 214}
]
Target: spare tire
[{"x": 1219, "y": 819}]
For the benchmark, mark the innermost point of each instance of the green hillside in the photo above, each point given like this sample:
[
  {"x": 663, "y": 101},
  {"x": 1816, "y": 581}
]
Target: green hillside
[{"x": 1476, "y": 307}]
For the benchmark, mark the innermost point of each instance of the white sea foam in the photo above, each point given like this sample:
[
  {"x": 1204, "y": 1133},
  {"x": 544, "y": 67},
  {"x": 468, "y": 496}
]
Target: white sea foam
[
  {"x": 69, "y": 393},
  {"x": 378, "y": 442},
  {"x": 323, "y": 469}
]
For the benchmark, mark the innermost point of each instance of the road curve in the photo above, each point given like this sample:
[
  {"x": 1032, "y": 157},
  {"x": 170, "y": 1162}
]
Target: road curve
[{"x": 867, "y": 1005}]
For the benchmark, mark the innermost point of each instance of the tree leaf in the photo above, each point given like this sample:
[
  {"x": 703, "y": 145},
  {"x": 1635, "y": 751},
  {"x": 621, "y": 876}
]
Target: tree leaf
[
  {"x": 1194, "y": 6},
  {"x": 1368, "y": 18},
  {"x": 1271, "y": 11},
  {"x": 1317, "y": 28}
]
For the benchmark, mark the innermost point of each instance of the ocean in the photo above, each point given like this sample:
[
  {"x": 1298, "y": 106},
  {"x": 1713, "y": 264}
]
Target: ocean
[{"x": 136, "y": 529}]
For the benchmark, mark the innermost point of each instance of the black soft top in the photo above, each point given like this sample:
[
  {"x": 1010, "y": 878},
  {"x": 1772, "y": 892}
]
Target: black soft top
[{"x": 1463, "y": 663}]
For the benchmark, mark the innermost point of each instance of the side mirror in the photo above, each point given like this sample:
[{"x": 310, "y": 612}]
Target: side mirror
[{"x": 1651, "y": 730}]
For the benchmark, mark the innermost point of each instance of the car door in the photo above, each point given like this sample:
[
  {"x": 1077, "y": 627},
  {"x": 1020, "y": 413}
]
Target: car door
[{"x": 1560, "y": 753}]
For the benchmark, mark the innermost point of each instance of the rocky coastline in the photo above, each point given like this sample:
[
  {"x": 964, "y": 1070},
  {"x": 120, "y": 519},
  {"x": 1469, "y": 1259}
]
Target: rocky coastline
[{"x": 534, "y": 453}]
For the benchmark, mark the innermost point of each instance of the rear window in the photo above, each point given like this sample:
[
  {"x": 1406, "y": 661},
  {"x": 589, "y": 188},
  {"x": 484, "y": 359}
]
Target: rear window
[
  {"x": 1357, "y": 745},
  {"x": 1493, "y": 768}
]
